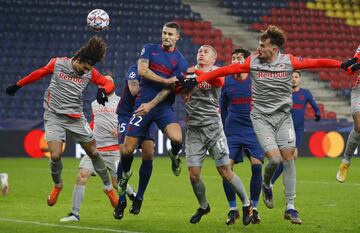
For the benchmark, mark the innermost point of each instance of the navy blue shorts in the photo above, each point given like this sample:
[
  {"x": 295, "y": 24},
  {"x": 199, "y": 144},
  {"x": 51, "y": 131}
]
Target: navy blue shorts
[
  {"x": 140, "y": 125},
  {"x": 123, "y": 129},
  {"x": 249, "y": 144}
]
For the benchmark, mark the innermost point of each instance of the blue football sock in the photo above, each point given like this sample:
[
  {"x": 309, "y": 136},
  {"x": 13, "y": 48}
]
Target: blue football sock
[
  {"x": 277, "y": 173},
  {"x": 255, "y": 183},
  {"x": 144, "y": 177},
  {"x": 126, "y": 162},
  {"x": 230, "y": 194},
  {"x": 175, "y": 148},
  {"x": 119, "y": 170}
]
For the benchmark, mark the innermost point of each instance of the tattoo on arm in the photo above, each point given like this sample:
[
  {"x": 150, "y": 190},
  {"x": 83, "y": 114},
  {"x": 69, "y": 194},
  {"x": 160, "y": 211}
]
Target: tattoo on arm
[
  {"x": 144, "y": 71},
  {"x": 160, "y": 96}
]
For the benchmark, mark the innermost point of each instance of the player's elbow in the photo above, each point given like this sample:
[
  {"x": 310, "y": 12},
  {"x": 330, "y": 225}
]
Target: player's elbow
[{"x": 142, "y": 70}]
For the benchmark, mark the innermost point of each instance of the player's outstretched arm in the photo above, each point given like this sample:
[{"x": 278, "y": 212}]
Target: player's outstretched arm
[
  {"x": 225, "y": 70},
  {"x": 100, "y": 80},
  {"x": 145, "y": 108},
  {"x": 308, "y": 63},
  {"x": 32, "y": 77},
  {"x": 145, "y": 72}
]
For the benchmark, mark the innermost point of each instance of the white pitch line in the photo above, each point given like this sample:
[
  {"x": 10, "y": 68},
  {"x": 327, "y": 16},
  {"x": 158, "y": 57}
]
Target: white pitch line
[{"x": 66, "y": 226}]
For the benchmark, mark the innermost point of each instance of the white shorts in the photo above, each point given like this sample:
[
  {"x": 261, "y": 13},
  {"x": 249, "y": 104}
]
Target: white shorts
[
  {"x": 56, "y": 126},
  {"x": 201, "y": 139},
  {"x": 111, "y": 159},
  {"x": 274, "y": 130}
]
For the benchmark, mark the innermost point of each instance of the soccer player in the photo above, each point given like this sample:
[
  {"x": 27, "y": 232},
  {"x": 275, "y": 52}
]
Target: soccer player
[
  {"x": 125, "y": 111},
  {"x": 64, "y": 108},
  {"x": 205, "y": 134},
  {"x": 270, "y": 72},
  {"x": 4, "y": 183},
  {"x": 300, "y": 97},
  {"x": 104, "y": 125},
  {"x": 158, "y": 66},
  {"x": 354, "y": 136},
  {"x": 235, "y": 108}
]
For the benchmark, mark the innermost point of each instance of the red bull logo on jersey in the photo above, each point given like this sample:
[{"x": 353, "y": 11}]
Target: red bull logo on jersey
[
  {"x": 70, "y": 78},
  {"x": 104, "y": 110},
  {"x": 272, "y": 75},
  {"x": 203, "y": 86}
]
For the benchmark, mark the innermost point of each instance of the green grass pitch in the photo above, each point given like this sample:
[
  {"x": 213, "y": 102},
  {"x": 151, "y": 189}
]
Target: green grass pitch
[{"x": 324, "y": 205}]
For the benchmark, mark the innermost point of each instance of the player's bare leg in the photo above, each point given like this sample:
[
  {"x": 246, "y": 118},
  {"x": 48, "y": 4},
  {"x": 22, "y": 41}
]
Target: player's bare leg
[
  {"x": 351, "y": 145},
  {"x": 127, "y": 157},
  {"x": 237, "y": 185},
  {"x": 289, "y": 181},
  {"x": 145, "y": 171},
  {"x": 56, "y": 166},
  {"x": 199, "y": 191},
  {"x": 274, "y": 159},
  {"x": 100, "y": 168},
  {"x": 174, "y": 133}
]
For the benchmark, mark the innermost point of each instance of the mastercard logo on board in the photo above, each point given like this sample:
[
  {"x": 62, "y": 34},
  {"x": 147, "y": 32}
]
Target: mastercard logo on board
[
  {"x": 35, "y": 144},
  {"x": 322, "y": 144}
]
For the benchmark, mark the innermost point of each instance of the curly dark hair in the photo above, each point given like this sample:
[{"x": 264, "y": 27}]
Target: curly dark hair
[
  {"x": 93, "y": 52},
  {"x": 275, "y": 34}
]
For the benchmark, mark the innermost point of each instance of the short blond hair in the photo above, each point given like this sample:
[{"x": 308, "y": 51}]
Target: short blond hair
[{"x": 212, "y": 48}]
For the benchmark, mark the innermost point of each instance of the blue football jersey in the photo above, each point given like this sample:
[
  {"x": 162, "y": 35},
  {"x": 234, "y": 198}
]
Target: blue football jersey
[
  {"x": 300, "y": 100},
  {"x": 163, "y": 63},
  {"x": 235, "y": 104}
]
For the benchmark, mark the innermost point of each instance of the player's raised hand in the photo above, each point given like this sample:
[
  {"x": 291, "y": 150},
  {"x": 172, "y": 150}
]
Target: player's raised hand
[
  {"x": 351, "y": 65},
  {"x": 101, "y": 96},
  {"x": 346, "y": 64},
  {"x": 171, "y": 81},
  {"x": 11, "y": 90},
  {"x": 188, "y": 83}
]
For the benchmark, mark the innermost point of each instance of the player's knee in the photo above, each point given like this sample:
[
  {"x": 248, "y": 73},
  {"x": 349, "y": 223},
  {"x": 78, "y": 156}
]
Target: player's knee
[
  {"x": 275, "y": 159},
  {"x": 82, "y": 177},
  {"x": 194, "y": 177},
  {"x": 55, "y": 156},
  {"x": 225, "y": 172},
  {"x": 93, "y": 154},
  {"x": 127, "y": 150},
  {"x": 147, "y": 155}
]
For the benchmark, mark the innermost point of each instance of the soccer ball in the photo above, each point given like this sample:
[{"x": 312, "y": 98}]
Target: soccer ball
[{"x": 98, "y": 20}]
